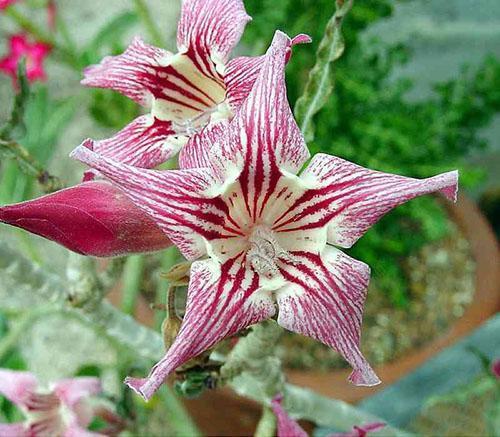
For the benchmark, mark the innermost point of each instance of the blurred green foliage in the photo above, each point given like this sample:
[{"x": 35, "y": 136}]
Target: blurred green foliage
[{"x": 369, "y": 120}]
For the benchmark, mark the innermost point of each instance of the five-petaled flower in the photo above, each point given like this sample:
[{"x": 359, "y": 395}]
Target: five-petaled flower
[
  {"x": 60, "y": 410},
  {"x": 186, "y": 91},
  {"x": 34, "y": 52},
  {"x": 260, "y": 232}
]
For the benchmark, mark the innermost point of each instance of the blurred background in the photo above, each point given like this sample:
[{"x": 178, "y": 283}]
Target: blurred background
[{"x": 417, "y": 92}]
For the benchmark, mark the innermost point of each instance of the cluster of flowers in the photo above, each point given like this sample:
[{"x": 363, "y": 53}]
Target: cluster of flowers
[
  {"x": 23, "y": 46},
  {"x": 259, "y": 229}
]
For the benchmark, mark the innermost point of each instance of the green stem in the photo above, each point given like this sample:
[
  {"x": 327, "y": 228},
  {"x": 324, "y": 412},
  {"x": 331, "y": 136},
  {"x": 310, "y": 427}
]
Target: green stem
[
  {"x": 132, "y": 279},
  {"x": 177, "y": 415},
  {"x": 267, "y": 424},
  {"x": 9, "y": 177},
  {"x": 30, "y": 165},
  {"x": 147, "y": 19},
  {"x": 168, "y": 259}
]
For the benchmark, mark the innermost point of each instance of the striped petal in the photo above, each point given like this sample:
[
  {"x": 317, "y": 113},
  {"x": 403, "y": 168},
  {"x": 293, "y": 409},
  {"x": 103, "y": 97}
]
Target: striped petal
[
  {"x": 146, "y": 142},
  {"x": 183, "y": 203},
  {"x": 72, "y": 390},
  {"x": 222, "y": 300},
  {"x": 349, "y": 198},
  {"x": 242, "y": 72},
  {"x": 17, "y": 386},
  {"x": 200, "y": 148},
  {"x": 211, "y": 28},
  {"x": 75, "y": 430},
  {"x": 264, "y": 133},
  {"x": 135, "y": 73},
  {"x": 286, "y": 426},
  {"x": 324, "y": 300}
]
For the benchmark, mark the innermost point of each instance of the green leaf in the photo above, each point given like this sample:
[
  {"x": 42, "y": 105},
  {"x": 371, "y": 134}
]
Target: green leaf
[{"x": 320, "y": 82}]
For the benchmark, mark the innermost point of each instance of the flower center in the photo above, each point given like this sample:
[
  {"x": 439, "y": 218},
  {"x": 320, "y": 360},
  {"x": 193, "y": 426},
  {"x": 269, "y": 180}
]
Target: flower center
[{"x": 264, "y": 252}]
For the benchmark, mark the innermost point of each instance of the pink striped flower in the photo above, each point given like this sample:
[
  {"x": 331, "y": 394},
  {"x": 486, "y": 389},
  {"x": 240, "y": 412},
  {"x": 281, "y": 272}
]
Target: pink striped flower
[
  {"x": 6, "y": 3},
  {"x": 259, "y": 232},
  {"x": 61, "y": 410},
  {"x": 186, "y": 91},
  {"x": 34, "y": 52}
]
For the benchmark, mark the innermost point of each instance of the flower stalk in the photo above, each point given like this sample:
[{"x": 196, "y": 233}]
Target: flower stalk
[
  {"x": 320, "y": 83},
  {"x": 12, "y": 149}
]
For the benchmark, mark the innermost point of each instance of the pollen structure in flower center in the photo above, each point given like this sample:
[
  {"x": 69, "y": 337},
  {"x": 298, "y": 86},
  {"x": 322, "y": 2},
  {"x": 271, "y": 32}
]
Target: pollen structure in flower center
[{"x": 264, "y": 252}]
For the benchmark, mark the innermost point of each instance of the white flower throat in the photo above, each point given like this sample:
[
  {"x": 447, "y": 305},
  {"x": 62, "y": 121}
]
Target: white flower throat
[{"x": 264, "y": 252}]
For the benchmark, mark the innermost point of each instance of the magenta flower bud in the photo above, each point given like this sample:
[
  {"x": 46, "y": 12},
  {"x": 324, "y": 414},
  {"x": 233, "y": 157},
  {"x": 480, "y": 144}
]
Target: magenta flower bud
[
  {"x": 495, "y": 368},
  {"x": 92, "y": 218}
]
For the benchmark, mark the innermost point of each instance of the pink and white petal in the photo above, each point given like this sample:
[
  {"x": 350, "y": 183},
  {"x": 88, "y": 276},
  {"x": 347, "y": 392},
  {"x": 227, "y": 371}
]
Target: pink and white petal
[
  {"x": 211, "y": 28},
  {"x": 199, "y": 150},
  {"x": 286, "y": 426},
  {"x": 324, "y": 300},
  {"x": 72, "y": 390},
  {"x": 222, "y": 300},
  {"x": 146, "y": 142},
  {"x": 241, "y": 74},
  {"x": 183, "y": 203},
  {"x": 14, "y": 430},
  {"x": 17, "y": 386},
  {"x": 349, "y": 198},
  {"x": 135, "y": 73},
  {"x": 264, "y": 133}
]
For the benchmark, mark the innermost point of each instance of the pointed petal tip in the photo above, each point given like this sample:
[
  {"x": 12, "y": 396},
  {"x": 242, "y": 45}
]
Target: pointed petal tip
[
  {"x": 364, "y": 377},
  {"x": 140, "y": 386},
  {"x": 301, "y": 38},
  {"x": 451, "y": 190}
]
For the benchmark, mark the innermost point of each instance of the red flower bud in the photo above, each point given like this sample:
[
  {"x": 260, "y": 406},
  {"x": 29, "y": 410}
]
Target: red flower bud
[{"x": 92, "y": 218}]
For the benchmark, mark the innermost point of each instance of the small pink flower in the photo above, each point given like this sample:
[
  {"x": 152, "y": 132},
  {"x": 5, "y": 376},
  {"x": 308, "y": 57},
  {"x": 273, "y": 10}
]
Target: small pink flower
[
  {"x": 6, "y": 3},
  {"x": 34, "y": 53},
  {"x": 61, "y": 410},
  {"x": 261, "y": 232},
  {"x": 495, "y": 368},
  {"x": 93, "y": 218},
  {"x": 186, "y": 91}
]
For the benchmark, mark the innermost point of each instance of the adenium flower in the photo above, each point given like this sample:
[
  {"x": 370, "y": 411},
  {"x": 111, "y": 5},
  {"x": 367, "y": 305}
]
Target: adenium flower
[
  {"x": 6, "y": 3},
  {"x": 361, "y": 431},
  {"x": 61, "y": 410},
  {"x": 93, "y": 218},
  {"x": 34, "y": 52},
  {"x": 186, "y": 91},
  {"x": 260, "y": 233}
]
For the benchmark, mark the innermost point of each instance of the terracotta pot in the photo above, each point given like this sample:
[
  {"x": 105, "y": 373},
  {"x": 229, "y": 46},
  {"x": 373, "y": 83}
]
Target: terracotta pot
[{"x": 485, "y": 303}]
